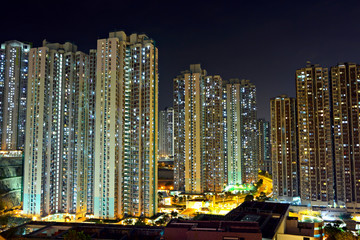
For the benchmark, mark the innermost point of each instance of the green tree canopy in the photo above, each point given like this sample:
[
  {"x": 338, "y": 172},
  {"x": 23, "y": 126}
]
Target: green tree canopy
[
  {"x": 249, "y": 198},
  {"x": 345, "y": 235},
  {"x": 174, "y": 214},
  {"x": 140, "y": 222},
  {"x": 74, "y": 235}
]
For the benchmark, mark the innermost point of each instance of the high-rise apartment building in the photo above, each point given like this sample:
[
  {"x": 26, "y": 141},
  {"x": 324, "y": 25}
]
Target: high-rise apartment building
[
  {"x": 316, "y": 169},
  {"x": 213, "y": 146},
  {"x": 225, "y": 137},
  {"x": 55, "y": 163},
  {"x": 263, "y": 144},
  {"x": 194, "y": 133},
  {"x": 198, "y": 112},
  {"x": 126, "y": 135},
  {"x": 166, "y": 133},
  {"x": 284, "y": 147},
  {"x": 179, "y": 132},
  {"x": 91, "y": 130},
  {"x": 241, "y": 131},
  {"x": 2, "y": 82},
  {"x": 345, "y": 84},
  {"x": 13, "y": 85}
]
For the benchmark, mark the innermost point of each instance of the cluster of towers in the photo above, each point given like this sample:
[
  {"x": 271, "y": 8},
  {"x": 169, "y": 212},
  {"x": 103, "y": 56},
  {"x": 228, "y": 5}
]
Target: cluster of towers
[
  {"x": 91, "y": 125},
  {"x": 315, "y": 137},
  {"x": 88, "y": 125},
  {"x": 216, "y": 138}
]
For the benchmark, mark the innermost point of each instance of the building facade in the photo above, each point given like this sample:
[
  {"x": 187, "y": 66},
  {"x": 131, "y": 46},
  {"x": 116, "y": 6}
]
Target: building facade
[
  {"x": 166, "y": 133},
  {"x": 179, "y": 131},
  {"x": 198, "y": 116},
  {"x": 346, "y": 122},
  {"x": 91, "y": 130},
  {"x": 13, "y": 84},
  {"x": 57, "y": 118},
  {"x": 126, "y": 126},
  {"x": 263, "y": 144},
  {"x": 225, "y": 134},
  {"x": 316, "y": 168},
  {"x": 194, "y": 134},
  {"x": 213, "y": 151},
  {"x": 284, "y": 147},
  {"x": 241, "y": 132}
]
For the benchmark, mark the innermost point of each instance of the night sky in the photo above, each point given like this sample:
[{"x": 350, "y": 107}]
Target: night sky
[{"x": 261, "y": 41}]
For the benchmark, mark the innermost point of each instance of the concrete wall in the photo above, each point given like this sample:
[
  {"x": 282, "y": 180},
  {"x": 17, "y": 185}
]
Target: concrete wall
[{"x": 292, "y": 237}]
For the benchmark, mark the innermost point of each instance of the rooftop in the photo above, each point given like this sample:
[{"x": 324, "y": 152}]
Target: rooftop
[
  {"x": 267, "y": 215},
  {"x": 57, "y": 230},
  {"x": 216, "y": 226}
]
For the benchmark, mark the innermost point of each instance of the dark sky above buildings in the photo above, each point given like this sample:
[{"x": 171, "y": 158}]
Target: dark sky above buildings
[{"x": 264, "y": 41}]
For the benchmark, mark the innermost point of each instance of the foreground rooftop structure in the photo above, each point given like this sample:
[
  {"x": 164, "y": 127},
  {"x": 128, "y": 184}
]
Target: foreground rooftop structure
[
  {"x": 57, "y": 230},
  {"x": 249, "y": 221}
]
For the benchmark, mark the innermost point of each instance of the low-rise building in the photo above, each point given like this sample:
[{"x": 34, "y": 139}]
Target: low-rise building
[
  {"x": 57, "y": 230},
  {"x": 214, "y": 230},
  {"x": 251, "y": 220},
  {"x": 298, "y": 230}
]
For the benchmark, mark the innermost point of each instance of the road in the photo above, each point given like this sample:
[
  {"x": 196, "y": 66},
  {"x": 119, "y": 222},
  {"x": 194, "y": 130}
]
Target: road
[{"x": 267, "y": 186}]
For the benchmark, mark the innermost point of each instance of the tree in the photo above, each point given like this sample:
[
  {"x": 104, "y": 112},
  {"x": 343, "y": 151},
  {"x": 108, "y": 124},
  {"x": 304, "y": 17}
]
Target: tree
[
  {"x": 160, "y": 198},
  {"x": 140, "y": 222},
  {"x": 4, "y": 219},
  {"x": 160, "y": 221},
  {"x": 331, "y": 231},
  {"x": 262, "y": 197},
  {"x": 74, "y": 235},
  {"x": 345, "y": 235},
  {"x": 228, "y": 195},
  {"x": 99, "y": 221},
  {"x": 128, "y": 221},
  {"x": 249, "y": 198},
  {"x": 260, "y": 183},
  {"x": 174, "y": 214}
]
